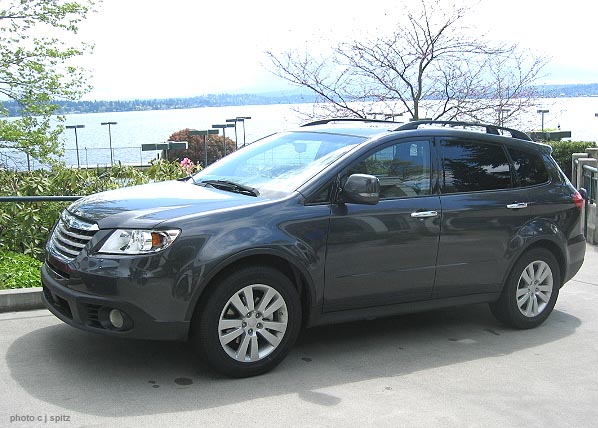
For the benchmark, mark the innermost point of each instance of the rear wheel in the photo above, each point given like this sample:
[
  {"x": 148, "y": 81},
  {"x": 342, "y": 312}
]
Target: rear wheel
[
  {"x": 249, "y": 322},
  {"x": 531, "y": 290}
]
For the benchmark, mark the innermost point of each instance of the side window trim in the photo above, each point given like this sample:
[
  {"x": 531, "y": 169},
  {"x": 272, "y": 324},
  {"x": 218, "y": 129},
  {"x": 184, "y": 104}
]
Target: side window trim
[{"x": 515, "y": 179}]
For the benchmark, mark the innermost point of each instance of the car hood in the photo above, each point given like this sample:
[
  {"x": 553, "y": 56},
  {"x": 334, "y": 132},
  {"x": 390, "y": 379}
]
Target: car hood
[{"x": 150, "y": 204}]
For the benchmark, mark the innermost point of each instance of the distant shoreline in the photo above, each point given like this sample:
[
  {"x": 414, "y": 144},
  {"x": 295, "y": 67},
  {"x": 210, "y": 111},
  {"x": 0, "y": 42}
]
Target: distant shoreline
[
  {"x": 299, "y": 96},
  {"x": 210, "y": 100}
]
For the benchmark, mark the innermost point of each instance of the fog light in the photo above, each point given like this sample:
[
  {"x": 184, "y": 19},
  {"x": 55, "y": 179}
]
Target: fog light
[{"x": 116, "y": 318}]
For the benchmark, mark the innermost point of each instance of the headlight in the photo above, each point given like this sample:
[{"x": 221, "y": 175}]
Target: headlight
[{"x": 125, "y": 241}]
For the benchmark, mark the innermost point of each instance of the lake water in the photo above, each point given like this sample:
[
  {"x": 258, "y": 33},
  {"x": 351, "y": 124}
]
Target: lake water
[
  {"x": 156, "y": 126},
  {"x": 141, "y": 127}
]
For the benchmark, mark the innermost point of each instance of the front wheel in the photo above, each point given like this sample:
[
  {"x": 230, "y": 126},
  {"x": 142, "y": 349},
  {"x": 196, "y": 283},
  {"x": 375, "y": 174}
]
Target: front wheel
[
  {"x": 249, "y": 322},
  {"x": 531, "y": 290}
]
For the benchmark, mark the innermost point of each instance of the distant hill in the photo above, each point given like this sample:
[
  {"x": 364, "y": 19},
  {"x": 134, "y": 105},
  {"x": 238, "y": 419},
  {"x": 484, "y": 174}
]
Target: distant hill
[
  {"x": 210, "y": 100},
  {"x": 278, "y": 97},
  {"x": 569, "y": 90}
]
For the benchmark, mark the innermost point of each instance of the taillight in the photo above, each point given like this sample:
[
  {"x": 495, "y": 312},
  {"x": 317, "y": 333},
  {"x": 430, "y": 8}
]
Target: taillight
[{"x": 578, "y": 200}]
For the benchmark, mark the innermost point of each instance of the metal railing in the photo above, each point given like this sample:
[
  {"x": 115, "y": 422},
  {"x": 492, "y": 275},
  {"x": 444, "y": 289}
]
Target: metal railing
[
  {"x": 590, "y": 182},
  {"x": 585, "y": 176},
  {"x": 97, "y": 157},
  {"x": 92, "y": 157},
  {"x": 39, "y": 198}
]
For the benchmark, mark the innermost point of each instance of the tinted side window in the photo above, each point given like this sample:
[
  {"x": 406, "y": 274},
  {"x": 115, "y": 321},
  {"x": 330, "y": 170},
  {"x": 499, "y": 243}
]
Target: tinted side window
[
  {"x": 471, "y": 166},
  {"x": 529, "y": 167},
  {"x": 403, "y": 169}
]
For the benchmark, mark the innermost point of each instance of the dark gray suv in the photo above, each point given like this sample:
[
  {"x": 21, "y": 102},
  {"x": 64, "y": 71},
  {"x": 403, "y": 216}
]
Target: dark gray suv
[{"x": 337, "y": 220}]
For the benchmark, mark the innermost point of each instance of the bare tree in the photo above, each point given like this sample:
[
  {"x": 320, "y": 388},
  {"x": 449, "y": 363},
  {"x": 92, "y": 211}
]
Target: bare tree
[
  {"x": 509, "y": 87},
  {"x": 430, "y": 65}
]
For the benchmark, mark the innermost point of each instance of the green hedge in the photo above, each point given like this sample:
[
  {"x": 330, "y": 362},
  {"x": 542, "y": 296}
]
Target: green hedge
[
  {"x": 562, "y": 152},
  {"x": 18, "y": 271},
  {"x": 25, "y": 226}
]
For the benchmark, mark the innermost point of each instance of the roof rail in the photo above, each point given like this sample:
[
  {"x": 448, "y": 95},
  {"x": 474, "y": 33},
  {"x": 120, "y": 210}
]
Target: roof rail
[
  {"x": 347, "y": 119},
  {"x": 490, "y": 129}
]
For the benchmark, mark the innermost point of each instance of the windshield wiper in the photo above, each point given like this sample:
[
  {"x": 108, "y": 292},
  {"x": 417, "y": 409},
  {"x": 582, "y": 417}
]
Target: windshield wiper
[{"x": 230, "y": 186}]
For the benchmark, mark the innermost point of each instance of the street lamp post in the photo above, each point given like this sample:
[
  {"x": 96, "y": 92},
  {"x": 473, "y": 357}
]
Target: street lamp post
[
  {"x": 543, "y": 112},
  {"x": 110, "y": 139},
  {"x": 75, "y": 127},
  {"x": 205, "y": 134},
  {"x": 223, "y": 126},
  {"x": 242, "y": 119},
  {"x": 234, "y": 122}
]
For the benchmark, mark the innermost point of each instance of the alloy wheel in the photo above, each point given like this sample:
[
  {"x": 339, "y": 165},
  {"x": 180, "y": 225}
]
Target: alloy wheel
[
  {"x": 534, "y": 288},
  {"x": 253, "y": 323}
]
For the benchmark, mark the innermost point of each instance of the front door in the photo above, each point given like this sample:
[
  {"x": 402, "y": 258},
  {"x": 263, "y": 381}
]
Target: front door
[{"x": 386, "y": 253}]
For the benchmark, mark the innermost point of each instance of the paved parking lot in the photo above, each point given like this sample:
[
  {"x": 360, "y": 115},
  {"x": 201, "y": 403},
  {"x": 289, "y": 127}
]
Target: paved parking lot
[{"x": 450, "y": 368}]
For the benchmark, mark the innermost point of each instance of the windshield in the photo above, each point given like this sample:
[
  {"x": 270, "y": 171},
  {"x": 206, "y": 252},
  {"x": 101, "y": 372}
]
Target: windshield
[{"x": 281, "y": 163}]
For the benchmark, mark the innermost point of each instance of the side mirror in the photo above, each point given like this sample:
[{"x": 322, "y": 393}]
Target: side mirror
[
  {"x": 361, "y": 189},
  {"x": 584, "y": 193}
]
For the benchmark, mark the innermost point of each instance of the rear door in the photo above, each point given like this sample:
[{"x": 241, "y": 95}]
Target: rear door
[{"x": 482, "y": 216}]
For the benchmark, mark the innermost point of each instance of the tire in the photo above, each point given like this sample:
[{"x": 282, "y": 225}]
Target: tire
[
  {"x": 531, "y": 290},
  {"x": 248, "y": 323}
]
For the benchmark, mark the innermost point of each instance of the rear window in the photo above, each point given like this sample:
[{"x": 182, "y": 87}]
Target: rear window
[
  {"x": 471, "y": 166},
  {"x": 529, "y": 168}
]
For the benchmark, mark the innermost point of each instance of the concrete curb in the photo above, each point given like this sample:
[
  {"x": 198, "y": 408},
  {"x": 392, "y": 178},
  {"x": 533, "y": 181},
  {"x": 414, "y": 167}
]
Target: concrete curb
[{"x": 21, "y": 299}]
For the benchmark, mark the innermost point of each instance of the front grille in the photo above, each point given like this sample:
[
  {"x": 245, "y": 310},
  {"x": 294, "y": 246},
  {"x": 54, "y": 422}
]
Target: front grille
[{"x": 71, "y": 235}]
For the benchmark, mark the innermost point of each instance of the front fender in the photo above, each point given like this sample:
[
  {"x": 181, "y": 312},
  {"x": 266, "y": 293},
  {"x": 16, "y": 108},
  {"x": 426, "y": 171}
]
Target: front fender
[{"x": 295, "y": 257}]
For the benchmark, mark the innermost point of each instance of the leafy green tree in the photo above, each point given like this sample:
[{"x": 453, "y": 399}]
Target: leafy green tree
[{"x": 36, "y": 70}]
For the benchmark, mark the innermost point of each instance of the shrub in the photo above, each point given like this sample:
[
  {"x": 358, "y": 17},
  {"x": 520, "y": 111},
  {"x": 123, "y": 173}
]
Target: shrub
[
  {"x": 25, "y": 226},
  {"x": 18, "y": 271},
  {"x": 562, "y": 151}
]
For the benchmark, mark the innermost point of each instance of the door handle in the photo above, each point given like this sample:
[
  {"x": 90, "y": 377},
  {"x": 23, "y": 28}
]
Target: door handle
[
  {"x": 424, "y": 214},
  {"x": 517, "y": 206}
]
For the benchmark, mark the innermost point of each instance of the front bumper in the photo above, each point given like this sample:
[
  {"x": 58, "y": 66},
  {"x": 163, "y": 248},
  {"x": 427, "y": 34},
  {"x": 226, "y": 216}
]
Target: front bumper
[{"x": 90, "y": 312}]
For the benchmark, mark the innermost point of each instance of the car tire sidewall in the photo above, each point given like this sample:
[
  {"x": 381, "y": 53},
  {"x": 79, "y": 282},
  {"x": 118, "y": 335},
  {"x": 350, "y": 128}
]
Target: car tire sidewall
[
  {"x": 506, "y": 308},
  {"x": 205, "y": 329}
]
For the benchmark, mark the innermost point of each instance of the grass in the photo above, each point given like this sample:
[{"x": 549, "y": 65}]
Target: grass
[{"x": 19, "y": 271}]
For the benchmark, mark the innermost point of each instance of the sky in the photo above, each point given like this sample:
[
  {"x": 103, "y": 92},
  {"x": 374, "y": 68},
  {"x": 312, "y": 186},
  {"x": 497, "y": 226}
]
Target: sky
[{"x": 183, "y": 48}]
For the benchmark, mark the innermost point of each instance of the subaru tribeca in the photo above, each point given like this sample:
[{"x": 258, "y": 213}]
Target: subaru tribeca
[{"x": 337, "y": 220}]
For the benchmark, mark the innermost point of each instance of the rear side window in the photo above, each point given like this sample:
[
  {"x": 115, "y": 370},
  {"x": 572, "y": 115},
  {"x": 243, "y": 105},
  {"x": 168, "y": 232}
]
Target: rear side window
[
  {"x": 471, "y": 166},
  {"x": 529, "y": 167}
]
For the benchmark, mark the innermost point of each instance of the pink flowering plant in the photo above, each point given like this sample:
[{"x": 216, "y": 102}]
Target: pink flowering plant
[{"x": 188, "y": 166}]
